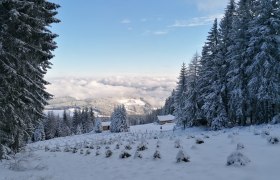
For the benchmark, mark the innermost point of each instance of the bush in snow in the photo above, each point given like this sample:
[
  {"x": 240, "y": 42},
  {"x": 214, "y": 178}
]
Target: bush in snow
[
  {"x": 67, "y": 148},
  {"x": 128, "y": 147},
  {"x": 97, "y": 153},
  {"x": 98, "y": 126},
  {"x": 237, "y": 159},
  {"x": 177, "y": 144},
  {"x": 137, "y": 155},
  {"x": 273, "y": 140},
  {"x": 47, "y": 148},
  {"x": 75, "y": 150},
  {"x": 141, "y": 147},
  {"x": 81, "y": 151},
  {"x": 157, "y": 155},
  {"x": 265, "y": 133},
  {"x": 124, "y": 155},
  {"x": 240, "y": 146},
  {"x": 181, "y": 156},
  {"x": 276, "y": 119},
  {"x": 87, "y": 152},
  {"x": 199, "y": 141},
  {"x": 107, "y": 147},
  {"x": 108, "y": 153},
  {"x": 98, "y": 147},
  {"x": 117, "y": 146},
  {"x": 91, "y": 146}
]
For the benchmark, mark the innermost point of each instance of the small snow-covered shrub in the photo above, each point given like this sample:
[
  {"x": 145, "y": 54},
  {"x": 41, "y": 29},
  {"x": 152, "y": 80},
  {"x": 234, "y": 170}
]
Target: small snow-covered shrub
[
  {"x": 199, "y": 141},
  {"x": 108, "y": 153},
  {"x": 276, "y": 119},
  {"x": 273, "y": 140},
  {"x": 75, "y": 150},
  {"x": 181, "y": 156},
  {"x": 237, "y": 159},
  {"x": 265, "y": 133},
  {"x": 177, "y": 143},
  {"x": 107, "y": 147},
  {"x": 67, "y": 148},
  {"x": 240, "y": 146},
  {"x": 141, "y": 147},
  {"x": 91, "y": 146},
  {"x": 87, "y": 152},
  {"x": 157, "y": 155},
  {"x": 97, "y": 153},
  {"x": 117, "y": 146},
  {"x": 47, "y": 148},
  {"x": 128, "y": 147},
  {"x": 124, "y": 155},
  {"x": 137, "y": 155},
  {"x": 98, "y": 147},
  {"x": 81, "y": 151}
]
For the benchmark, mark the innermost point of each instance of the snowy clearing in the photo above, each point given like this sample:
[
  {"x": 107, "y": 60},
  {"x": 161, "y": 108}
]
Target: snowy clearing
[{"x": 238, "y": 153}]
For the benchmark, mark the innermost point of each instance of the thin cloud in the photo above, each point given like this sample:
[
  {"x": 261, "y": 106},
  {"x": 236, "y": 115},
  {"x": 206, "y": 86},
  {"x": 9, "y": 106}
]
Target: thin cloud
[
  {"x": 153, "y": 89},
  {"x": 126, "y": 21},
  {"x": 208, "y": 5},
  {"x": 159, "y": 33},
  {"x": 197, "y": 21}
]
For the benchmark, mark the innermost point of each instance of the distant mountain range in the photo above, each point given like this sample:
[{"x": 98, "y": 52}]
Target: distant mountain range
[{"x": 102, "y": 106}]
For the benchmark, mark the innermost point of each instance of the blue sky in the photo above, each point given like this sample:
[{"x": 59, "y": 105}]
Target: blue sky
[{"x": 130, "y": 37}]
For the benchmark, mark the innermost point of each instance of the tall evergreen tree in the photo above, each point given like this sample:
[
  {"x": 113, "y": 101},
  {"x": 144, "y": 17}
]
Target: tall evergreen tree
[
  {"x": 207, "y": 76},
  {"x": 180, "y": 97},
  {"x": 191, "y": 108},
  {"x": 238, "y": 60},
  {"x": 119, "y": 120},
  {"x": 263, "y": 70},
  {"x": 26, "y": 46}
]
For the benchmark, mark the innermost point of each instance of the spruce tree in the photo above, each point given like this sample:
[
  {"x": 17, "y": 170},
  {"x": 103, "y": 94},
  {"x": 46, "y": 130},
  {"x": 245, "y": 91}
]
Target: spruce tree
[
  {"x": 263, "y": 70},
  {"x": 119, "y": 120},
  {"x": 238, "y": 60},
  {"x": 191, "y": 108},
  {"x": 26, "y": 46},
  {"x": 180, "y": 97}
]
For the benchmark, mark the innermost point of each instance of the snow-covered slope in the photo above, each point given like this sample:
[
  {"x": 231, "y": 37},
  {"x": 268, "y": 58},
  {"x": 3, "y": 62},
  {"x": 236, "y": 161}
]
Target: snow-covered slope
[{"x": 208, "y": 161}]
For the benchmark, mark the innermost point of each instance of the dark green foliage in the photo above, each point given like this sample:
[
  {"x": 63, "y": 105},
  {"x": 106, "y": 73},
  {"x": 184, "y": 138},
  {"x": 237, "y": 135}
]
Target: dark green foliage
[{"x": 26, "y": 46}]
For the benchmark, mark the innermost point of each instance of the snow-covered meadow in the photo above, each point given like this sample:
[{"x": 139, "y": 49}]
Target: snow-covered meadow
[{"x": 207, "y": 152}]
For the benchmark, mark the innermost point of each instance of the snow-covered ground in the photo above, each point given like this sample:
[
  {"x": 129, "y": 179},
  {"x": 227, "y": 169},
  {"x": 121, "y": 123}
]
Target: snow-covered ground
[{"x": 207, "y": 160}]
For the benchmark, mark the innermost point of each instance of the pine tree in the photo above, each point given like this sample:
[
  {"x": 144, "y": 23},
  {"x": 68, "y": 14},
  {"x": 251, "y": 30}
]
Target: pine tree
[
  {"x": 191, "y": 108},
  {"x": 119, "y": 120},
  {"x": 39, "y": 133},
  {"x": 98, "y": 126},
  {"x": 169, "y": 106},
  {"x": 50, "y": 125},
  {"x": 180, "y": 97},
  {"x": 75, "y": 120},
  {"x": 238, "y": 60},
  {"x": 221, "y": 60},
  {"x": 65, "y": 125},
  {"x": 263, "y": 70},
  {"x": 208, "y": 99},
  {"x": 25, "y": 50}
]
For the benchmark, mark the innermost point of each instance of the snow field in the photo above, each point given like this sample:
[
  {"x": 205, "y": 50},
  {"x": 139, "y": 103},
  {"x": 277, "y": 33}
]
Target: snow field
[{"x": 208, "y": 160}]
